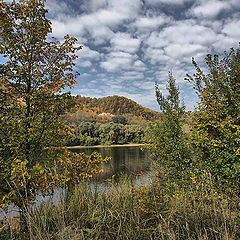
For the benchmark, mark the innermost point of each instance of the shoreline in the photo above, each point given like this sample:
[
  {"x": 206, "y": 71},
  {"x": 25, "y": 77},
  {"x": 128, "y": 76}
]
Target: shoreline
[{"x": 107, "y": 146}]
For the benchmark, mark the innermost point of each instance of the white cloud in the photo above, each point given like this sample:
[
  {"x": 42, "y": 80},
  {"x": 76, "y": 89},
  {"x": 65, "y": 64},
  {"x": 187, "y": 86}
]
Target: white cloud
[
  {"x": 232, "y": 29},
  {"x": 210, "y": 9},
  {"x": 132, "y": 75},
  {"x": 156, "y": 56},
  {"x": 70, "y": 27},
  {"x": 179, "y": 42},
  {"x": 130, "y": 9},
  {"x": 139, "y": 66},
  {"x": 184, "y": 51},
  {"x": 85, "y": 64},
  {"x": 87, "y": 56},
  {"x": 150, "y": 23},
  {"x": 57, "y": 8},
  {"x": 188, "y": 32},
  {"x": 109, "y": 18},
  {"x": 117, "y": 61},
  {"x": 99, "y": 24},
  {"x": 124, "y": 42},
  {"x": 223, "y": 43},
  {"x": 156, "y": 40},
  {"x": 119, "y": 55}
]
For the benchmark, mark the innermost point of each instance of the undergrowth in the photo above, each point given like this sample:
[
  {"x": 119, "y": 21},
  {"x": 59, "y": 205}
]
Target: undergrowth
[{"x": 155, "y": 211}]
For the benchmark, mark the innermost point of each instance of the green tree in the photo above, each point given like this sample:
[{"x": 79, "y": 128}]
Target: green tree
[
  {"x": 216, "y": 123},
  {"x": 166, "y": 137},
  {"x": 36, "y": 69},
  {"x": 119, "y": 119}
]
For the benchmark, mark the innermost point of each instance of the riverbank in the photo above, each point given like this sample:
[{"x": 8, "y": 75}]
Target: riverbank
[
  {"x": 140, "y": 212},
  {"x": 108, "y": 146}
]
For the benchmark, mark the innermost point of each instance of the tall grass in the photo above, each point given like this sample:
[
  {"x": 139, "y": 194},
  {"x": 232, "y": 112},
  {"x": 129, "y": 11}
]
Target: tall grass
[{"x": 154, "y": 211}]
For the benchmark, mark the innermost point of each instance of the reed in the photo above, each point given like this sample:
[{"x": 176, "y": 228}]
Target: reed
[{"x": 125, "y": 211}]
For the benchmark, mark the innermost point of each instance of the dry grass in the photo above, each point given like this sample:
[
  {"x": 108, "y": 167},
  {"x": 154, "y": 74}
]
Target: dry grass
[{"x": 145, "y": 212}]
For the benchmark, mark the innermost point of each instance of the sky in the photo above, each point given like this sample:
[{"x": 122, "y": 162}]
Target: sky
[{"x": 128, "y": 45}]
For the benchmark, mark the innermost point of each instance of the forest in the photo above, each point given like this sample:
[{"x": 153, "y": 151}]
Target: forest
[
  {"x": 90, "y": 134},
  {"x": 116, "y": 105},
  {"x": 106, "y": 121},
  {"x": 193, "y": 189}
]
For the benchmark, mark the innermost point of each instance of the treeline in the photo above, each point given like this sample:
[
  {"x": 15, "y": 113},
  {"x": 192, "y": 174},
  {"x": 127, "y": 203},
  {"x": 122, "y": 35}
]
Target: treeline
[
  {"x": 75, "y": 117},
  {"x": 116, "y": 105},
  {"x": 91, "y": 133}
]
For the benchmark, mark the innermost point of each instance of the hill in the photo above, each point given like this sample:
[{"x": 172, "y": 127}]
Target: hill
[{"x": 115, "y": 105}]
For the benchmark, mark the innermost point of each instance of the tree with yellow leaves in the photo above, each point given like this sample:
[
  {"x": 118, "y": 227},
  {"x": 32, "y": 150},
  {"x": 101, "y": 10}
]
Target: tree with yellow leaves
[{"x": 36, "y": 69}]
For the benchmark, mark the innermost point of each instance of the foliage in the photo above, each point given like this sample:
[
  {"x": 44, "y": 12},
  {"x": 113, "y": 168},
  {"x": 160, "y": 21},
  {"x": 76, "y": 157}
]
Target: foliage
[
  {"x": 36, "y": 69},
  {"x": 216, "y": 123},
  {"x": 115, "y": 105},
  {"x": 119, "y": 119},
  {"x": 89, "y": 134},
  {"x": 167, "y": 141}
]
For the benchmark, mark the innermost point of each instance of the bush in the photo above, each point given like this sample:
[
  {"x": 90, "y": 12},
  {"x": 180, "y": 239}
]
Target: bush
[{"x": 216, "y": 123}]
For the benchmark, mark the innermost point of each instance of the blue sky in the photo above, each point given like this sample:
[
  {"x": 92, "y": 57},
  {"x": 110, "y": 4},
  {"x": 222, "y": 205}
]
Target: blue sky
[{"x": 128, "y": 45}]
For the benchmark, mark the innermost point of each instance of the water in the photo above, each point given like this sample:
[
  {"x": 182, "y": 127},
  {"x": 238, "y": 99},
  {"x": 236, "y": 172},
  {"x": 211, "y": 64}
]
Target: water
[
  {"x": 131, "y": 161},
  {"x": 124, "y": 160}
]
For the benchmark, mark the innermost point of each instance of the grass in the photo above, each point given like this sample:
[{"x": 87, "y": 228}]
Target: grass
[{"x": 127, "y": 212}]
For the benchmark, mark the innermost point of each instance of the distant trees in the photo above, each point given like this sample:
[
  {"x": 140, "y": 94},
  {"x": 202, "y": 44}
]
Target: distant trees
[
  {"x": 31, "y": 132},
  {"x": 115, "y": 105},
  {"x": 216, "y": 122},
  {"x": 88, "y": 134},
  {"x": 119, "y": 119}
]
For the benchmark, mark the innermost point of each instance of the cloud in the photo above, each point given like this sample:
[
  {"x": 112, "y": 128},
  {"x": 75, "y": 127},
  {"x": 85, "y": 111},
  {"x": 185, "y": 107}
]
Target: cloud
[
  {"x": 106, "y": 17},
  {"x": 124, "y": 42},
  {"x": 94, "y": 5},
  {"x": 99, "y": 24},
  {"x": 224, "y": 42},
  {"x": 117, "y": 61},
  {"x": 138, "y": 65},
  {"x": 188, "y": 32},
  {"x": 85, "y": 64},
  {"x": 210, "y": 9},
  {"x": 87, "y": 53},
  {"x": 231, "y": 29},
  {"x": 150, "y": 23},
  {"x": 144, "y": 85},
  {"x": 132, "y": 75},
  {"x": 156, "y": 56},
  {"x": 179, "y": 42},
  {"x": 184, "y": 51}
]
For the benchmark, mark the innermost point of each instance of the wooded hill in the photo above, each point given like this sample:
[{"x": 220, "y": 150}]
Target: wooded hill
[{"x": 115, "y": 105}]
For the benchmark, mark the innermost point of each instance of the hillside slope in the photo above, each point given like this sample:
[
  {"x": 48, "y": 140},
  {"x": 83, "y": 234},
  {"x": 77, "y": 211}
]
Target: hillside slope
[{"x": 116, "y": 105}]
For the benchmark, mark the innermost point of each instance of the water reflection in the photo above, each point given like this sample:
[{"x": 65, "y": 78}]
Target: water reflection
[{"x": 124, "y": 160}]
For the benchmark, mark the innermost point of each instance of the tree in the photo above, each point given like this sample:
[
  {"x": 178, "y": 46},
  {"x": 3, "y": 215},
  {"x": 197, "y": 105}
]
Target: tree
[
  {"x": 166, "y": 138},
  {"x": 119, "y": 119},
  {"x": 36, "y": 69},
  {"x": 216, "y": 124}
]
